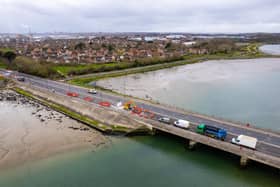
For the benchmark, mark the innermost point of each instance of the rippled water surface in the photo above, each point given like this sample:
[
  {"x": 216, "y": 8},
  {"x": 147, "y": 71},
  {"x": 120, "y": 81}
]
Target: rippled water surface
[
  {"x": 160, "y": 161},
  {"x": 240, "y": 90},
  {"x": 271, "y": 49}
]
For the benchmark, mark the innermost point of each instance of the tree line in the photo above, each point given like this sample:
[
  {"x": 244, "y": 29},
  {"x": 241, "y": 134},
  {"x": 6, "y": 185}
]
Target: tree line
[
  {"x": 26, "y": 65},
  {"x": 214, "y": 46}
]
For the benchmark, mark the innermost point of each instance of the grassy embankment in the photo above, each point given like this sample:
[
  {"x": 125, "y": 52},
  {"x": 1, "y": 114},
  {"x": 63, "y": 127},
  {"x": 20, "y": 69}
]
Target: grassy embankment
[
  {"x": 246, "y": 52},
  {"x": 3, "y": 61},
  {"x": 74, "y": 70},
  {"x": 90, "y": 122},
  {"x": 3, "y": 65}
]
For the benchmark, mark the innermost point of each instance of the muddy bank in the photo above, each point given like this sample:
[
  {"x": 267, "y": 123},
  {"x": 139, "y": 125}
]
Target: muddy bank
[{"x": 30, "y": 131}]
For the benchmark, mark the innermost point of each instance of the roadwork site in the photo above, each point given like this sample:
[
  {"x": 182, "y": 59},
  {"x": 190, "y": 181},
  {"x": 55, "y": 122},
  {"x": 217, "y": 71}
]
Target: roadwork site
[{"x": 105, "y": 119}]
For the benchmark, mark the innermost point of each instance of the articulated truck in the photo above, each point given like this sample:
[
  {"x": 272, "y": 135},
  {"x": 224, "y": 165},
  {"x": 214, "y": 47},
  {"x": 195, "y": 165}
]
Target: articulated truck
[
  {"x": 246, "y": 141},
  {"x": 212, "y": 131}
]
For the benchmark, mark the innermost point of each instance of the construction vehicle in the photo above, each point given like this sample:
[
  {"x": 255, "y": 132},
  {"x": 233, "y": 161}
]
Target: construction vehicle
[
  {"x": 129, "y": 105},
  {"x": 212, "y": 131}
]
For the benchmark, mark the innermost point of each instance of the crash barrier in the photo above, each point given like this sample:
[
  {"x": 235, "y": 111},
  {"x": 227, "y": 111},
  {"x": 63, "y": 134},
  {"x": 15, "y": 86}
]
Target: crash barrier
[
  {"x": 137, "y": 110},
  {"x": 72, "y": 94},
  {"x": 148, "y": 114},
  {"x": 89, "y": 99},
  {"x": 105, "y": 104}
]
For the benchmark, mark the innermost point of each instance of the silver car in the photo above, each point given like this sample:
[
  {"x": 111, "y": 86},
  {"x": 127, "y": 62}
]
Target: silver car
[
  {"x": 164, "y": 120},
  {"x": 92, "y": 91}
]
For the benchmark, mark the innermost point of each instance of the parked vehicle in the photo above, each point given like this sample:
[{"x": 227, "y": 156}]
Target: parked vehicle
[
  {"x": 164, "y": 120},
  {"x": 212, "y": 131},
  {"x": 182, "y": 124},
  {"x": 246, "y": 141},
  {"x": 92, "y": 91}
]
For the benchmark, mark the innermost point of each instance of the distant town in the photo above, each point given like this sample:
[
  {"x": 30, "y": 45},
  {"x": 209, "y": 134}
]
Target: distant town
[
  {"x": 94, "y": 49},
  {"x": 68, "y": 48}
]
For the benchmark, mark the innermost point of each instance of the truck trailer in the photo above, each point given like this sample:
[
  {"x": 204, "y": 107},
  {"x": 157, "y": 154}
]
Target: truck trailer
[
  {"x": 211, "y": 131},
  {"x": 246, "y": 141}
]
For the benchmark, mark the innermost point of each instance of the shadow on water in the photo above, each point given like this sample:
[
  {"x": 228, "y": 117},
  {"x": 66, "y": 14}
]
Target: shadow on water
[
  {"x": 156, "y": 161},
  {"x": 208, "y": 158}
]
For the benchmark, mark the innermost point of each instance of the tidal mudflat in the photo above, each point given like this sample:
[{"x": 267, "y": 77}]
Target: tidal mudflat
[{"x": 30, "y": 131}]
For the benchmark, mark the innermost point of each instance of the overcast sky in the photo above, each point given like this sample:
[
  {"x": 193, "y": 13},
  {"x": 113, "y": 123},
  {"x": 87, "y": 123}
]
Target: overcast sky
[{"x": 213, "y": 16}]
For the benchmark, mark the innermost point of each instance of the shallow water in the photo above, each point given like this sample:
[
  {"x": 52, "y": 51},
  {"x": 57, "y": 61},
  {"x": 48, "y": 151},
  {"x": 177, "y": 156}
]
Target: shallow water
[
  {"x": 142, "y": 161},
  {"x": 271, "y": 49},
  {"x": 239, "y": 90}
]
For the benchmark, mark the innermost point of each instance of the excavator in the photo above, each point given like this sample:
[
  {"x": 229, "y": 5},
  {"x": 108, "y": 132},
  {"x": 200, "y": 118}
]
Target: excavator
[{"x": 129, "y": 105}]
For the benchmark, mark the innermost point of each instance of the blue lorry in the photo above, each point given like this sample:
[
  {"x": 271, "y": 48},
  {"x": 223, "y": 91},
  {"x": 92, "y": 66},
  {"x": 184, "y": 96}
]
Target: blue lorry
[{"x": 212, "y": 131}]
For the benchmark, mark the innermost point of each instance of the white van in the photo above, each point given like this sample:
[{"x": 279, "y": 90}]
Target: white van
[
  {"x": 246, "y": 141},
  {"x": 182, "y": 124}
]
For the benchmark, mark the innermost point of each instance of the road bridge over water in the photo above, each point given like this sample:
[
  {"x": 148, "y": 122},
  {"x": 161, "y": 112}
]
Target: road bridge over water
[{"x": 268, "y": 146}]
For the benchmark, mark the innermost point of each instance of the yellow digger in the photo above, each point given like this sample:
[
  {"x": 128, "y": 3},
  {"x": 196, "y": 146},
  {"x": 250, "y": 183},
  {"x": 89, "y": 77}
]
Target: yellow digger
[{"x": 129, "y": 105}]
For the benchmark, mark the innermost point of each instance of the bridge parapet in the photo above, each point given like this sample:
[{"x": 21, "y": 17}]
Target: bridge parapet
[{"x": 245, "y": 153}]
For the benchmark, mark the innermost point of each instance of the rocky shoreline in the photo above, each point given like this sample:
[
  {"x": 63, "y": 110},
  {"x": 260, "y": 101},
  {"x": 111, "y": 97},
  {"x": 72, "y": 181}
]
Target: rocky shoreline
[
  {"x": 41, "y": 112},
  {"x": 31, "y": 131}
]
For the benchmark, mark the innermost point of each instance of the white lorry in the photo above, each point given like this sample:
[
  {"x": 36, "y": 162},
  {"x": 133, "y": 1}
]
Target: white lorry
[
  {"x": 182, "y": 124},
  {"x": 246, "y": 141}
]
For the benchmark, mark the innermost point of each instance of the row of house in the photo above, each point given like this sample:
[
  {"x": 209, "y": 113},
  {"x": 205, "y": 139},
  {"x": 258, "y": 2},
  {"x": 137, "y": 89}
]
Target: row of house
[{"x": 98, "y": 50}]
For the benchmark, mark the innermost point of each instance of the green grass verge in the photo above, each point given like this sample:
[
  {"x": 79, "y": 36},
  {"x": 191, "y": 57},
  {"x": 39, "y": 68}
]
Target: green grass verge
[
  {"x": 4, "y": 50},
  {"x": 3, "y": 65},
  {"x": 66, "y": 69},
  {"x": 74, "y": 69},
  {"x": 117, "y": 128}
]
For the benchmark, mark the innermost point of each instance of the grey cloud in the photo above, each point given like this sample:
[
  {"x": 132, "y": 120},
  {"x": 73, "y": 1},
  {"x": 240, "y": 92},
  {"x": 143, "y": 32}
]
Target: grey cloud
[{"x": 156, "y": 15}]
